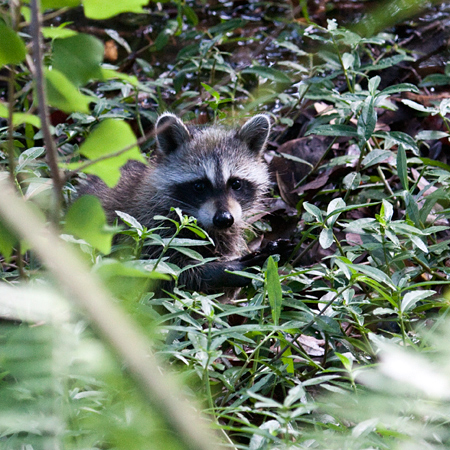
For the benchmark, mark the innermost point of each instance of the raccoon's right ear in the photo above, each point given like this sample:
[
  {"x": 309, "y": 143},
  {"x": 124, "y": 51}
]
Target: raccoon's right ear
[
  {"x": 255, "y": 132},
  {"x": 171, "y": 133}
]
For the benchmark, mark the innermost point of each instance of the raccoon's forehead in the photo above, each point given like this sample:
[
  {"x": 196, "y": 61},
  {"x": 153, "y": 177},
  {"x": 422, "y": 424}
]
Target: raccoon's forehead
[{"x": 216, "y": 155}]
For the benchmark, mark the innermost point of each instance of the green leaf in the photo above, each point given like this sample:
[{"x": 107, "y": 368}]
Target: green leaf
[
  {"x": 367, "y": 119},
  {"x": 190, "y": 15},
  {"x": 56, "y": 4},
  {"x": 8, "y": 241},
  {"x": 402, "y": 167},
  {"x": 398, "y": 137},
  {"x": 108, "y": 139},
  {"x": 434, "y": 163},
  {"x": 12, "y": 48},
  {"x": 104, "y": 9},
  {"x": 387, "y": 210},
  {"x": 374, "y": 82},
  {"x": 87, "y": 220},
  {"x": 375, "y": 157},
  {"x": 314, "y": 210},
  {"x": 429, "y": 135},
  {"x": 78, "y": 58},
  {"x": 333, "y": 130},
  {"x": 372, "y": 272},
  {"x": 274, "y": 291},
  {"x": 19, "y": 118},
  {"x": 58, "y": 32},
  {"x": 412, "y": 210},
  {"x": 326, "y": 238},
  {"x": 335, "y": 204},
  {"x": 402, "y": 87},
  {"x": 62, "y": 94},
  {"x": 269, "y": 73},
  {"x": 227, "y": 26},
  {"x": 352, "y": 181},
  {"x": 411, "y": 298}
]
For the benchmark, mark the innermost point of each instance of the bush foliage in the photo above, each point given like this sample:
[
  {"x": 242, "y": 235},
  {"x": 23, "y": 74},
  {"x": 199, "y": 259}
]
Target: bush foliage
[{"x": 342, "y": 347}]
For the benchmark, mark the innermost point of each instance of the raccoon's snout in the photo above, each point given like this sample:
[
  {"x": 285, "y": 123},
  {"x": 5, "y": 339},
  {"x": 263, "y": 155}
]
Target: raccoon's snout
[{"x": 223, "y": 219}]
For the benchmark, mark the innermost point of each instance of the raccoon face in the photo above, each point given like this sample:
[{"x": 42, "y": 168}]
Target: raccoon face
[{"x": 216, "y": 175}]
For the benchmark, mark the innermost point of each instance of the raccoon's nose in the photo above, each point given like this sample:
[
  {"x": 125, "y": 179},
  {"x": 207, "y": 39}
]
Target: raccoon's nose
[{"x": 223, "y": 219}]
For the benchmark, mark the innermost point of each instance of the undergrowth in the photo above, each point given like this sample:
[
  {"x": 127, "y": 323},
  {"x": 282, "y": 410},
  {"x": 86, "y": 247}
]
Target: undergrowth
[{"x": 342, "y": 347}]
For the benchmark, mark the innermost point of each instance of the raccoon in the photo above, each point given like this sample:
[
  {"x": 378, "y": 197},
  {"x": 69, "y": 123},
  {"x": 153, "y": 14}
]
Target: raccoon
[{"x": 214, "y": 174}]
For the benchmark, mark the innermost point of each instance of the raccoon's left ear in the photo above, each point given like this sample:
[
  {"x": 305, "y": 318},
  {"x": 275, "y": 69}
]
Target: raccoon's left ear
[
  {"x": 171, "y": 133},
  {"x": 255, "y": 132}
]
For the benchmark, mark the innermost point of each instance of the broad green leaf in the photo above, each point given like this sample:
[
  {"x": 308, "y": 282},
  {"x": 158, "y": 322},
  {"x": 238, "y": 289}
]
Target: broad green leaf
[
  {"x": 347, "y": 60},
  {"x": 412, "y": 210},
  {"x": 434, "y": 163},
  {"x": 269, "y": 73},
  {"x": 376, "y": 156},
  {"x": 56, "y": 4},
  {"x": 402, "y": 87},
  {"x": 131, "y": 222},
  {"x": 313, "y": 210},
  {"x": 12, "y": 48},
  {"x": 346, "y": 362},
  {"x": 352, "y": 181},
  {"x": 372, "y": 272},
  {"x": 62, "y": 94},
  {"x": 28, "y": 155},
  {"x": 411, "y": 298},
  {"x": 402, "y": 167},
  {"x": 58, "y": 32},
  {"x": 190, "y": 15},
  {"x": 104, "y": 9},
  {"x": 19, "y": 118},
  {"x": 429, "y": 135},
  {"x": 419, "y": 107},
  {"x": 367, "y": 119},
  {"x": 387, "y": 210},
  {"x": 289, "y": 362},
  {"x": 374, "y": 82},
  {"x": 274, "y": 291},
  {"x": 419, "y": 243},
  {"x": 398, "y": 137},
  {"x": 110, "y": 74},
  {"x": 227, "y": 26},
  {"x": 334, "y": 130},
  {"x": 326, "y": 238},
  {"x": 7, "y": 241},
  {"x": 335, "y": 204},
  {"x": 108, "y": 139},
  {"x": 78, "y": 58},
  {"x": 87, "y": 220}
]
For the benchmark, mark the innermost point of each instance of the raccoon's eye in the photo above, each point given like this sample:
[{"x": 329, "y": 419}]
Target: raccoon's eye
[
  {"x": 236, "y": 184},
  {"x": 199, "y": 186}
]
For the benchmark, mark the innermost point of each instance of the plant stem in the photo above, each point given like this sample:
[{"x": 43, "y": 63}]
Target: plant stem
[{"x": 51, "y": 150}]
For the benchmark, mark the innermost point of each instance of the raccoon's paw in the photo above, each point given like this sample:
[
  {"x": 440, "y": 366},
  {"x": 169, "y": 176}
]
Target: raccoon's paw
[{"x": 282, "y": 247}]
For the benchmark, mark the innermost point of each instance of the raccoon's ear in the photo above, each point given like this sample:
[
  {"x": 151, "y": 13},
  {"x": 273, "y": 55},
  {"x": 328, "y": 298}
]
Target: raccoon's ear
[
  {"x": 255, "y": 132},
  {"x": 171, "y": 133}
]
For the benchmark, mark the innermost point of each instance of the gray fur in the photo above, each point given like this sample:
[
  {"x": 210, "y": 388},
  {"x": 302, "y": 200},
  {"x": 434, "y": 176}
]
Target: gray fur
[{"x": 186, "y": 154}]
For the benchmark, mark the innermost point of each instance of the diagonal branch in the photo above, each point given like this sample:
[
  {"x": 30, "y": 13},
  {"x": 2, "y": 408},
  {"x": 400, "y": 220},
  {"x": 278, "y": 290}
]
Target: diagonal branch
[{"x": 51, "y": 150}]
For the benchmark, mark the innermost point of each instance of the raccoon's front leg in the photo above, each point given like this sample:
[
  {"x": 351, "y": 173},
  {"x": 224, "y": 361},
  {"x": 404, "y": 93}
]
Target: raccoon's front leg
[{"x": 213, "y": 276}]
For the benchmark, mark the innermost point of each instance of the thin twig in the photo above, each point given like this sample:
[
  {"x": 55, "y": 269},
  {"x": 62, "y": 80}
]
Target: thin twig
[{"x": 51, "y": 150}]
